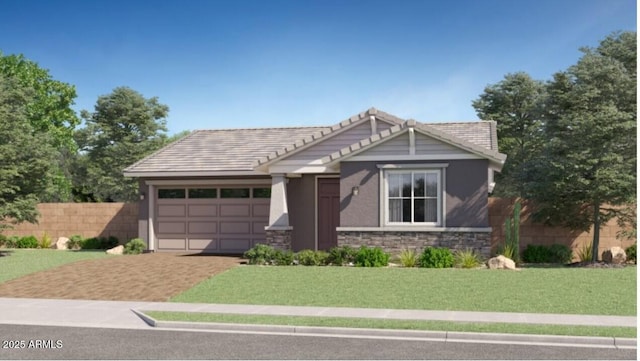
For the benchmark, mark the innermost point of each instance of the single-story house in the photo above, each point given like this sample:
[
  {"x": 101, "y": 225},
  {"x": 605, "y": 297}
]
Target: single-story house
[{"x": 373, "y": 179}]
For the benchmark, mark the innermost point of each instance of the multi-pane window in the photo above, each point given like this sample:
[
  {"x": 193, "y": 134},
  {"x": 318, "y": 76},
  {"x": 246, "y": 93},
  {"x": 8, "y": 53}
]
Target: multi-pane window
[{"x": 413, "y": 197}]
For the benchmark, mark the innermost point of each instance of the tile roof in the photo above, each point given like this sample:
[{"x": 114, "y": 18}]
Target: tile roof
[
  {"x": 241, "y": 150},
  {"x": 219, "y": 150}
]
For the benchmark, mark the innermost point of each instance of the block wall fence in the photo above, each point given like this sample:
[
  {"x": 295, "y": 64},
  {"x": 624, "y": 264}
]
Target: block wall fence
[{"x": 121, "y": 220}]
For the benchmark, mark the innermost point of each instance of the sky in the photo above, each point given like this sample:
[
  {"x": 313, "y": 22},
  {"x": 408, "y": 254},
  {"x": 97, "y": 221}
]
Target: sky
[{"x": 277, "y": 63}]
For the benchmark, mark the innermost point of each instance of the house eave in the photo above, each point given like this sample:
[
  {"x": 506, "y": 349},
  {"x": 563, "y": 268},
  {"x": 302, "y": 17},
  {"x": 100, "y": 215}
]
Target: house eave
[{"x": 180, "y": 174}]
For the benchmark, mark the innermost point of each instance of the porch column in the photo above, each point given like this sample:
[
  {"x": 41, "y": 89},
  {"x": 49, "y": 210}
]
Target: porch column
[
  {"x": 278, "y": 232},
  {"x": 278, "y": 211}
]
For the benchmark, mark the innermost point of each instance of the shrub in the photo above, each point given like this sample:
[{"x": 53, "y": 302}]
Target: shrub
[
  {"x": 508, "y": 250},
  {"x": 322, "y": 258},
  {"x": 91, "y": 243},
  {"x": 307, "y": 257},
  {"x": 371, "y": 257},
  {"x": 260, "y": 254},
  {"x": 27, "y": 242},
  {"x": 110, "y": 242},
  {"x": 467, "y": 258},
  {"x": 11, "y": 242},
  {"x": 408, "y": 258},
  {"x": 134, "y": 246},
  {"x": 340, "y": 256},
  {"x": 433, "y": 257},
  {"x": 536, "y": 254},
  {"x": 559, "y": 253},
  {"x": 585, "y": 253},
  {"x": 631, "y": 253},
  {"x": 75, "y": 242},
  {"x": 45, "y": 242},
  {"x": 282, "y": 258},
  {"x": 3, "y": 240}
]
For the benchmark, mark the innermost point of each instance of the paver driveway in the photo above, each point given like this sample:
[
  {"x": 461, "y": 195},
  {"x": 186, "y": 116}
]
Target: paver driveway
[{"x": 145, "y": 277}]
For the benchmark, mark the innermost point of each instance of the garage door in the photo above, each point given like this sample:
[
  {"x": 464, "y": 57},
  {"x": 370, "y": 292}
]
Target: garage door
[{"x": 212, "y": 220}]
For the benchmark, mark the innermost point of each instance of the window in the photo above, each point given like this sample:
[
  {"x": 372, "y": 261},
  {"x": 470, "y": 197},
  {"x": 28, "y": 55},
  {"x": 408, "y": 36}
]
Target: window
[
  {"x": 414, "y": 197},
  {"x": 261, "y": 192},
  {"x": 199, "y": 193},
  {"x": 178, "y": 193},
  {"x": 234, "y": 193}
]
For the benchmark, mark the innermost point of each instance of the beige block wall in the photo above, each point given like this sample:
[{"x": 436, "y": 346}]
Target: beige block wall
[
  {"x": 539, "y": 234},
  {"x": 86, "y": 219}
]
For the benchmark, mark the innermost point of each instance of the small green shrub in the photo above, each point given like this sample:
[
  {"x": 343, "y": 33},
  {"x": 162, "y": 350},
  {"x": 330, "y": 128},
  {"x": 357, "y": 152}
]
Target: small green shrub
[
  {"x": 536, "y": 254},
  {"x": 282, "y": 258},
  {"x": 433, "y": 257},
  {"x": 371, "y": 257},
  {"x": 467, "y": 258},
  {"x": 559, "y": 253},
  {"x": 585, "y": 253},
  {"x": 344, "y": 255},
  {"x": 134, "y": 246},
  {"x": 110, "y": 242},
  {"x": 27, "y": 242},
  {"x": 3, "y": 240},
  {"x": 408, "y": 258},
  {"x": 307, "y": 257},
  {"x": 91, "y": 243},
  {"x": 45, "y": 242},
  {"x": 75, "y": 242},
  {"x": 509, "y": 251},
  {"x": 322, "y": 258},
  {"x": 11, "y": 242},
  {"x": 260, "y": 254},
  {"x": 631, "y": 253}
]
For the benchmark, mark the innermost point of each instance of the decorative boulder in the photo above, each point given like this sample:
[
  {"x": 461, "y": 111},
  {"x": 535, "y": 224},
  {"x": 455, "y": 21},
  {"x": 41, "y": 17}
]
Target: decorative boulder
[
  {"x": 116, "y": 250},
  {"x": 61, "y": 243},
  {"x": 501, "y": 262},
  {"x": 614, "y": 255}
]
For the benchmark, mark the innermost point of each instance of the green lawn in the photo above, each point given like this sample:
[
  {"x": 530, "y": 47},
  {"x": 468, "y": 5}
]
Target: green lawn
[
  {"x": 397, "y": 324},
  {"x": 15, "y": 263},
  {"x": 536, "y": 290}
]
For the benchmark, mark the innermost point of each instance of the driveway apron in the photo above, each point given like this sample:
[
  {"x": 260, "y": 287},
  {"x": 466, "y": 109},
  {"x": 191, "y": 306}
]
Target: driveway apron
[{"x": 145, "y": 277}]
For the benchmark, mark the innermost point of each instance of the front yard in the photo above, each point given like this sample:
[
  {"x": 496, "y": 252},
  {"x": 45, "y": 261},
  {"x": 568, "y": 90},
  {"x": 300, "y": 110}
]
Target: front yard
[
  {"x": 531, "y": 290},
  {"x": 16, "y": 263}
]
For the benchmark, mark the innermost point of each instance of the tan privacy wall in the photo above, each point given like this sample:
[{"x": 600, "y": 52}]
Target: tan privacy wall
[
  {"x": 86, "y": 219},
  {"x": 539, "y": 234}
]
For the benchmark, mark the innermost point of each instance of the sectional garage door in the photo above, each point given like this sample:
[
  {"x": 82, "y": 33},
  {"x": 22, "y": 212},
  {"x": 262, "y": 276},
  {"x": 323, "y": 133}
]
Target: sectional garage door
[{"x": 212, "y": 220}]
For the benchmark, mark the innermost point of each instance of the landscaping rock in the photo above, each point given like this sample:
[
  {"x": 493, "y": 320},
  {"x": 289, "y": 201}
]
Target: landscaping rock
[
  {"x": 501, "y": 262},
  {"x": 615, "y": 255},
  {"x": 116, "y": 250},
  {"x": 61, "y": 243}
]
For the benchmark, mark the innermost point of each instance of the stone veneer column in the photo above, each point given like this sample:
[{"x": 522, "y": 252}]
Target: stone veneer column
[{"x": 278, "y": 232}]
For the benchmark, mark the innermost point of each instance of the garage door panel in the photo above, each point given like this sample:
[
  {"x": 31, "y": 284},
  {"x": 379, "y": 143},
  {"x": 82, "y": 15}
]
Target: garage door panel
[
  {"x": 235, "y": 228},
  {"x": 171, "y": 210},
  {"x": 258, "y": 227},
  {"x": 235, "y": 210},
  {"x": 171, "y": 227},
  {"x": 235, "y": 245},
  {"x": 203, "y": 244},
  {"x": 261, "y": 210},
  {"x": 209, "y": 227},
  {"x": 171, "y": 243},
  {"x": 203, "y": 210}
]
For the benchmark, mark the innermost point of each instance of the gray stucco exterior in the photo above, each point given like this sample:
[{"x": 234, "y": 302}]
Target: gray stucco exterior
[{"x": 466, "y": 193}]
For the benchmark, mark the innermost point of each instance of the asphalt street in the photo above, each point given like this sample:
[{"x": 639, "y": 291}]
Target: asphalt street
[{"x": 100, "y": 343}]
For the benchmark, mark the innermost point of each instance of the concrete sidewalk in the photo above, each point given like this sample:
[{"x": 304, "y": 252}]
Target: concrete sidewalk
[{"x": 118, "y": 314}]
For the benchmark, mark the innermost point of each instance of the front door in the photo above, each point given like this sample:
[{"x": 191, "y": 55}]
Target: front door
[{"x": 328, "y": 212}]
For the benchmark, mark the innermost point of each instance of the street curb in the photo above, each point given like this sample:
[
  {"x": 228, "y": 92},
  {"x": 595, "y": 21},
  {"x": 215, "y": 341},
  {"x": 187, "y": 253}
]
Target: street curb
[{"x": 437, "y": 336}]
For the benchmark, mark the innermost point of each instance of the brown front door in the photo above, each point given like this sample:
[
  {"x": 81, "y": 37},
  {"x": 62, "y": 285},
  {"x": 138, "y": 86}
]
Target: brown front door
[{"x": 328, "y": 212}]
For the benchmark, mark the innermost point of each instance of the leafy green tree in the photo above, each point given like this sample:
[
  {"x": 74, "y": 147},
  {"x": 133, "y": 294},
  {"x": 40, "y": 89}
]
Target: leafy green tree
[
  {"x": 586, "y": 174},
  {"x": 124, "y": 128},
  {"x": 49, "y": 111},
  {"x": 515, "y": 104},
  {"x": 26, "y": 155}
]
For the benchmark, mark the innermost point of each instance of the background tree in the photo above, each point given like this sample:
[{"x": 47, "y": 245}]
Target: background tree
[
  {"x": 124, "y": 128},
  {"x": 515, "y": 103},
  {"x": 587, "y": 172},
  {"x": 48, "y": 110},
  {"x": 27, "y": 156}
]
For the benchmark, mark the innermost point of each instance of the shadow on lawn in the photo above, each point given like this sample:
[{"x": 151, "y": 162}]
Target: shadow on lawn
[{"x": 4, "y": 253}]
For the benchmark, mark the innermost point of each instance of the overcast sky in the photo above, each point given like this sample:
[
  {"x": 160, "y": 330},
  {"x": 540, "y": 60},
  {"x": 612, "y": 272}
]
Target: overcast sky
[{"x": 231, "y": 64}]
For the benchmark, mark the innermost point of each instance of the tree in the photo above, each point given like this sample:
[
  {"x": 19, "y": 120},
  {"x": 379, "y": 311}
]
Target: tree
[
  {"x": 124, "y": 128},
  {"x": 515, "y": 103},
  {"x": 48, "y": 111},
  {"x": 586, "y": 174},
  {"x": 26, "y": 155}
]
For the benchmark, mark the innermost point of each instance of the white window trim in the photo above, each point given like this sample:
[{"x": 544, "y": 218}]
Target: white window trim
[{"x": 439, "y": 169}]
